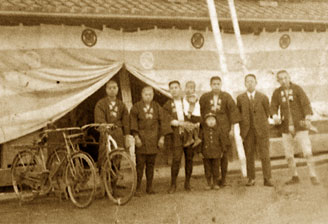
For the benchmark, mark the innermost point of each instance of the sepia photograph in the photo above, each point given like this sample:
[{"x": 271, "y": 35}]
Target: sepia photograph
[{"x": 164, "y": 111}]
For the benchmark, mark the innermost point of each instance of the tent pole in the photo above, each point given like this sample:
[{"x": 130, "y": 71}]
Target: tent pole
[{"x": 126, "y": 88}]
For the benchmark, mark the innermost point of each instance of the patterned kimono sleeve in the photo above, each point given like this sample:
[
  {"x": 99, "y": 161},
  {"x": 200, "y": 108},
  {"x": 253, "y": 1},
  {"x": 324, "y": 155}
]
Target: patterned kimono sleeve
[
  {"x": 165, "y": 127},
  {"x": 167, "y": 110},
  {"x": 100, "y": 113},
  {"x": 305, "y": 102},
  {"x": 274, "y": 107},
  {"x": 202, "y": 103},
  {"x": 134, "y": 120},
  {"x": 234, "y": 114}
]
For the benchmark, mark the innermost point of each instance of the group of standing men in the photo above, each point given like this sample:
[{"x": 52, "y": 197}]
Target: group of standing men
[{"x": 189, "y": 125}]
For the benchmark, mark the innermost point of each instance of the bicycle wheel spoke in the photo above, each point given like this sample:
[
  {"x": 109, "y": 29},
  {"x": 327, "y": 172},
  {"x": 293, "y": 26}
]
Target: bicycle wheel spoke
[
  {"x": 55, "y": 165},
  {"x": 119, "y": 177},
  {"x": 25, "y": 174},
  {"x": 81, "y": 180}
]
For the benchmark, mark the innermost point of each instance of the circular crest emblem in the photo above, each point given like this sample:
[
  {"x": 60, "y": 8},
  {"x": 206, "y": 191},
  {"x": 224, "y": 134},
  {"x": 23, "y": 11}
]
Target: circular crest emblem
[
  {"x": 89, "y": 37},
  {"x": 147, "y": 60},
  {"x": 32, "y": 59},
  {"x": 284, "y": 41},
  {"x": 197, "y": 40}
]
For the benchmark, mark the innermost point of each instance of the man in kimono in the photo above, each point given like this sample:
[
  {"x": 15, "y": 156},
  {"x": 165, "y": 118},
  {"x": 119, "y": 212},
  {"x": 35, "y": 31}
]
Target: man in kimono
[
  {"x": 254, "y": 108},
  {"x": 223, "y": 106},
  {"x": 295, "y": 109},
  {"x": 174, "y": 108},
  {"x": 148, "y": 128},
  {"x": 111, "y": 110}
]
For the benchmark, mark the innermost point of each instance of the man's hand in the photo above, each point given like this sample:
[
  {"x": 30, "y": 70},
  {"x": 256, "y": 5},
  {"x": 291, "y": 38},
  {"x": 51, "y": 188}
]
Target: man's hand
[
  {"x": 276, "y": 119},
  {"x": 137, "y": 141},
  {"x": 175, "y": 123},
  {"x": 161, "y": 142},
  {"x": 291, "y": 129},
  {"x": 201, "y": 155}
]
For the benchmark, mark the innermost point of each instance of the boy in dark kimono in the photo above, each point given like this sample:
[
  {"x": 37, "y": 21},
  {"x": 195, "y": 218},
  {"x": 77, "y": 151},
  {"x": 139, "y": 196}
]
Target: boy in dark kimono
[
  {"x": 111, "y": 110},
  {"x": 148, "y": 128},
  {"x": 223, "y": 106},
  {"x": 211, "y": 151}
]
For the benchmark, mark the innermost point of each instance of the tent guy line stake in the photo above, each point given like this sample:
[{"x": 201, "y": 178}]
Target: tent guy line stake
[
  {"x": 237, "y": 34},
  {"x": 217, "y": 35}
]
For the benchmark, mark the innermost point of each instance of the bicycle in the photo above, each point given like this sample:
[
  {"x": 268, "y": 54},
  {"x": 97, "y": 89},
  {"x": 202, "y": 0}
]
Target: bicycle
[
  {"x": 32, "y": 175},
  {"x": 118, "y": 171}
]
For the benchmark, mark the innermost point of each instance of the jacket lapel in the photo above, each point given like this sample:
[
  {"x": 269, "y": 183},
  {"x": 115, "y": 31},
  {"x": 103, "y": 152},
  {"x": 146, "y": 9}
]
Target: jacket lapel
[
  {"x": 256, "y": 99},
  {"x": 246, "y": 101}
]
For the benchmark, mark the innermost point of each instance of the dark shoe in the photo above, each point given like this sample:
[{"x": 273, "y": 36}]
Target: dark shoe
[
  {"x": 187, "y": 186},
  {"x": 251, "y": 182},
  {"x": 223, "y": 183},
  {"x": 197, "y": 142},
  {"x": 138, "y": 193},
  {"x": 315, "y": 181},
  {"x": 151, "y": 191},
  {"x": 268, "y": 183},
  {"x": 172, "y": 189},
  {"x": 294, "y": 180}
]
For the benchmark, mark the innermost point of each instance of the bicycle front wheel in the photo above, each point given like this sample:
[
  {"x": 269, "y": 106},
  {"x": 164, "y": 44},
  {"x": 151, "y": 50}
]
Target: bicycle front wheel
[
  {"x": 26, "y": 173},
  {"x": 119, "y": 177},
  {"x": 81, "y": 179},
  {"x": 56, "y": 165}
]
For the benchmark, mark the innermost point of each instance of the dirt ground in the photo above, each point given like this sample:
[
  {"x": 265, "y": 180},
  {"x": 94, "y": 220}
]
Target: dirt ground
[{"x": 302, "y": 203}]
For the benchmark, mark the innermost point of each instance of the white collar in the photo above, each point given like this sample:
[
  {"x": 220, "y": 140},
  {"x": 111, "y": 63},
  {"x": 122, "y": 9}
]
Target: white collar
[{"x": 249, "y": 94}]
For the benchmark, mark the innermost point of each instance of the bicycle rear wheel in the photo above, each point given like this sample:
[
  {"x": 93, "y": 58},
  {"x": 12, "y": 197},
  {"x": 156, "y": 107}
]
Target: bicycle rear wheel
[
  {"x": 81, "y": 179},
  {"x": 25, "y": 174},
  {"x": 119, "y": 177}
]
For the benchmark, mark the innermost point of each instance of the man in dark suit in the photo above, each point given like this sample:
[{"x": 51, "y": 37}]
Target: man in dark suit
[{"x": 254, "y": 129}]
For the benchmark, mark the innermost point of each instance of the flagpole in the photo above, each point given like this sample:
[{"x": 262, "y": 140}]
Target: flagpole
[
  {"x": 237, "y": 34},
  {"x": 224, "y": 69},
  {"x": 217, "y": 35}
]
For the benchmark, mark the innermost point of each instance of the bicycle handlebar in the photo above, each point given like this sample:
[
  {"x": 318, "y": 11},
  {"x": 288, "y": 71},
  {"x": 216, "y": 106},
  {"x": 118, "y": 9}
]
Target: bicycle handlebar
[
  {"x": 98, "y": 125},
  {"x": 62, "y": 129}
]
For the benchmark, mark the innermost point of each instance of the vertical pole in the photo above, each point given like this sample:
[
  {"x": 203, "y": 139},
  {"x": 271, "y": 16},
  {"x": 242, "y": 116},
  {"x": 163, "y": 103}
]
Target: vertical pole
[
  {"x": 125, "y": 88},
  {"x": 237, "y": 34},
  {"x": 224, "y": 68},
  {"x": 127, "y": 99},
  {"x": 217, "y": 35}
]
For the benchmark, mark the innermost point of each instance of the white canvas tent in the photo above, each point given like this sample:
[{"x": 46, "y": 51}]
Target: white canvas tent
[{"x": 46, "y": 70}]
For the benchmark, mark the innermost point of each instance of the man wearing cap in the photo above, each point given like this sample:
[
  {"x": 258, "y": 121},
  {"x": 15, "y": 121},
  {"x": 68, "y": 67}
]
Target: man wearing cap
[
  {"x": 175, "y": 111},
  {"x": 295, "y": 109},
  {"x": 254, "y": 108},
  {"x": 223, "y": 106}
]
